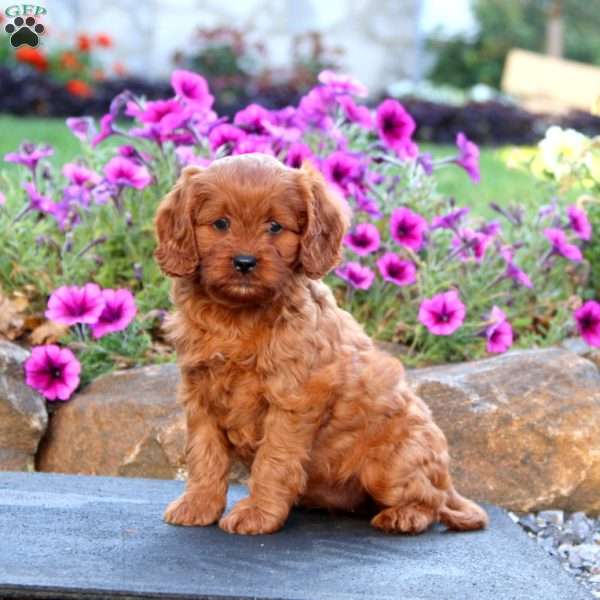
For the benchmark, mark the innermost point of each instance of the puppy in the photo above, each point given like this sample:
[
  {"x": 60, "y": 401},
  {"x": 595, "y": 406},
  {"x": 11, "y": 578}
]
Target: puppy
[{"x": 275, "y": 374}]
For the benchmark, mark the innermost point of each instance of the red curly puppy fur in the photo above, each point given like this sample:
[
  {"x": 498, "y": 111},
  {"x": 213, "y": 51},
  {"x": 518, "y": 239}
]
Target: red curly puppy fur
[{"x": 275, "y": 374}]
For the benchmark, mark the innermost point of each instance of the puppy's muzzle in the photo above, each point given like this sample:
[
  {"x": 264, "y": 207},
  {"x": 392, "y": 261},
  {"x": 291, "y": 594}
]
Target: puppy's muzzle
[{"x": 244, "y": 263}]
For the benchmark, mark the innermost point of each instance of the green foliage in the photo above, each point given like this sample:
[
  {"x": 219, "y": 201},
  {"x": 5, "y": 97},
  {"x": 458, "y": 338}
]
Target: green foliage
[{"x": 504, "y": 24}]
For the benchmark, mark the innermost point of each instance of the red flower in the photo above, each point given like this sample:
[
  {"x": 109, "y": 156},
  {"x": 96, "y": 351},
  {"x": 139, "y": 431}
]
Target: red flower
[
  {"x": 76, "y": 87},
  {"x": 119, "y": 69},
  {"x": 104, "y": 40},
  {"x": 69, "y": 61},
  {"x": 35, "y": 58},
  {"x": 84, "y": 42}
]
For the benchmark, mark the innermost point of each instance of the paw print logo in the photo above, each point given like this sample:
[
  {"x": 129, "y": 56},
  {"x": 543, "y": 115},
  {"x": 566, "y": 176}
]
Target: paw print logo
[{"x": 24, "y": 31}]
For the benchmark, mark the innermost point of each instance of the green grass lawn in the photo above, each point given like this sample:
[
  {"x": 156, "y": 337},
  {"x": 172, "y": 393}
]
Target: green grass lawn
[{"x": 498, "y": 183}]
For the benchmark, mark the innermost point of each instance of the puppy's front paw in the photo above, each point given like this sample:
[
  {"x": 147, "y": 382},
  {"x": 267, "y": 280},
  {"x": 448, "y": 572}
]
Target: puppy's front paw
[
  {"x": 192, "y": 510},
  {"x": 246, "y": 518}
]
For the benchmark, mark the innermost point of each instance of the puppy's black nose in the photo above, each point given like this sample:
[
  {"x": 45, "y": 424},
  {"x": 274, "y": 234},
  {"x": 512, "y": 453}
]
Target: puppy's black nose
[{"x": 244, "y": 263}]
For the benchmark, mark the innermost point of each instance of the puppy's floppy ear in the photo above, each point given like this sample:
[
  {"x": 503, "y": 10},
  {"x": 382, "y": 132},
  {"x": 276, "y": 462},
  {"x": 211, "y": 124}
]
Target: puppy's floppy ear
[
  {"x": 177, "y": 254},
  {"x": 327, "y": 221}
]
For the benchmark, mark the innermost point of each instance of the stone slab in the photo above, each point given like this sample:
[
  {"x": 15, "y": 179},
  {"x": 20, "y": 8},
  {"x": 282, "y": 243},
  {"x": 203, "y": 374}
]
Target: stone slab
[{"x": 66, "y": 536}]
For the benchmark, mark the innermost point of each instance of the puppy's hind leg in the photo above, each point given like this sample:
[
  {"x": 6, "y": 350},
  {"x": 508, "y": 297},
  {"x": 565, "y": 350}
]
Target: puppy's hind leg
[{"x": 406, "y": 472}]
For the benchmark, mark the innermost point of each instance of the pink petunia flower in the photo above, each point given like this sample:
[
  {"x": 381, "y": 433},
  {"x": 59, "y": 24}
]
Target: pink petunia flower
[
  {"x": 407, "y": 228},
  {"x": 106, "y": 129},
  {"x": 80, "y": 175},
  {"x": 124, "y": 172},
  {"x": 297, "y": 153},
  {"x": 468, "y": 158},
  {"x": 450, "y": 220},
  {"x": 587, "y": 318},
  {"x": 512, "y": 270},
  {"x": 252, "y": 118},
  {"x": 2, "y": 199},
  {"x": 395, "y": 127},
  {"x": 342, "y": 84},
  {"x": 225, "y": 134},
  {"x": 360, "y": 115},
  {"x": 363, "y": 239},
  {"x": 38, "y": 201},
  {"x": 398, "y": 271},
  {"x": 471, "y": 244},
  {"x": 342, "y": 169},
  {"x": 443, "y": 314},
  {"x": 560, "y": 245},
  {"x": 52, "y": 371},
  {"x": 499, "y": 332},
  {"x": 82, "y": 128},
  {"x": 356, "y": 275},
  {"x": 315, "y": 106},
  {"x": 71, "y": 304},
  {"x": 119, "y": 311},
  {"x": 29, "y": 155},
  {"x": 192, "y": 88},
  {"x": 580, "y": 223}
]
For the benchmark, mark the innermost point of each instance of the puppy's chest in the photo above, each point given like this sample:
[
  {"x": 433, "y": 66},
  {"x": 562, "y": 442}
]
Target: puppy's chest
[{"x": 236, "y": 395}]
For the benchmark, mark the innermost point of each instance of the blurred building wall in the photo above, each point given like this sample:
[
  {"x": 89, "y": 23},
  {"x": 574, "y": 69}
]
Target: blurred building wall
[{"x": 380, "y": 39}]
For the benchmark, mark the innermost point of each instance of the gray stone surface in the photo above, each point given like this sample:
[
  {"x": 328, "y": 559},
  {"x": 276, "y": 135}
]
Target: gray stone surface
[{"x": 75, "y": 536}]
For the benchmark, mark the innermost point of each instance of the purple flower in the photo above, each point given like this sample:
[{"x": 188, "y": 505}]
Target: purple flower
[
  {"x": 342, "y": 84},
  {"x": 119, "y": 311},
  {"x": 29, "y": 155},
  {"x": 71, "y": 304},
  {"x": 471, "y": 244},
  {"x": 364, "y": 239},
  {"x": 124, "y": 172},
  {"x": 314, "y": 107},
  {"x": 426, "y": 162},
  {"x": 297, "y": 153},
  {"x": 80, "y": 175},
  {"x": 560, "y": 245},
  {"x": 587, "y": 318},
  {"x": 187, "y": 156},
  {"x": 398, "y": 271},
  {"x": 468, "y": 158},
  {"x": 253, "y": 143},
  {"x": 52, "y": 371},
  {"x": 580, "y": 223},
  {"x": 2, "y": 199},
  {"x": 407, "y": 228},
  {"x": 192, "y": 88},
  {"x": 443, "y": 314},
  {"x": 360, "y": 115},
  {"x": 512, "y": 270},
  {"x": 38, "y": 201},
  {"x": 252, "y": 118},
  {"x": 450, "y": 220},
  {"x": 499, "y": 332},
  {"x": 82, "y": 128},
  {"x": 356, "y": 275},
  {"x": 225, "y": 134},
  {"x": 341, "y": 169},
  {"x": 395, "y": 127},
  {"x": 106, "y": 129}
]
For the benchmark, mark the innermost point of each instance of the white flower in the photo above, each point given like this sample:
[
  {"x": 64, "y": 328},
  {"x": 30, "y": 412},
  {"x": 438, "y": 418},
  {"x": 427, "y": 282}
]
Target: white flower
[{"x": 563, "y": 150}]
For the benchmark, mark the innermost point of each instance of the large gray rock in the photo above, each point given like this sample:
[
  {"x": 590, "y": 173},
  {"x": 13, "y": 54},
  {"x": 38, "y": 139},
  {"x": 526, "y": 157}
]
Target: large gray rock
[
  {"x": 523, "y": 428},
  {"x": 23, "y": 416},
  {"x": 125, "y": 423}
]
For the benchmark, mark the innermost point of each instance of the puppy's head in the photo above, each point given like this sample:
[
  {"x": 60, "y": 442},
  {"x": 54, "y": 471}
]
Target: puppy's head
[{"x": 246, "y": 225}]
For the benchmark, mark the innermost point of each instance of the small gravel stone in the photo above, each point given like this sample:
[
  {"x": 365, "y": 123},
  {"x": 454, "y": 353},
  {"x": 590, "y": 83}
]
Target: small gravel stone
[
  {"x": 574, "y": 539},
  {"x": 555, "y": 517}
]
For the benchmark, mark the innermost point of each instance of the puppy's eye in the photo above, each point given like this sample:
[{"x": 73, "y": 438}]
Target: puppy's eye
[
  {"x": 275, "y": 227},
  {"x": 221, "y": 224}
]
